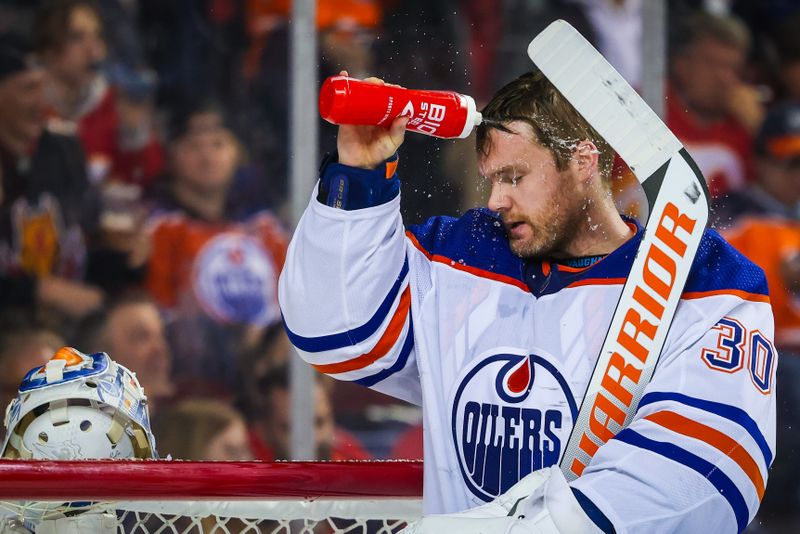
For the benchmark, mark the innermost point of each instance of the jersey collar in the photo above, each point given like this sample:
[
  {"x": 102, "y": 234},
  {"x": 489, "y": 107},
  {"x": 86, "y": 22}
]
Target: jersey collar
[{"x": 546, "y": 278}]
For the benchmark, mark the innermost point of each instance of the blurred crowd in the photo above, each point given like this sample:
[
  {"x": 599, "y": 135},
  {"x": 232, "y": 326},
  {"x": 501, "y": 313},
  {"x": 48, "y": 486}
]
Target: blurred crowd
[{"x": 143, "y": 192}]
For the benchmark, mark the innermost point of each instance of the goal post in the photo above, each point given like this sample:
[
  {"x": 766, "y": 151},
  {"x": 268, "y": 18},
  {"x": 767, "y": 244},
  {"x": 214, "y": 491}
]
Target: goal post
[{"x": 226, "y": 497}]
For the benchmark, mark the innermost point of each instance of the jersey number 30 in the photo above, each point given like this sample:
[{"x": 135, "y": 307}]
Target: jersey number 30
[{"x": 736, "y": 347}]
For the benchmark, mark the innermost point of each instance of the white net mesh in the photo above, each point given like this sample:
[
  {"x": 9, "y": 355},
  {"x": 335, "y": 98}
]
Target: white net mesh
[
  {"x": 371, "y": 505},
  {"x": 205, "y": 517}
]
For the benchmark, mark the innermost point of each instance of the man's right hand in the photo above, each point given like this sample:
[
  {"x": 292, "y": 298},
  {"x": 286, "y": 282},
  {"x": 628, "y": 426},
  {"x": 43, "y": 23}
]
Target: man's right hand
[{"x": 367, "y": 147}]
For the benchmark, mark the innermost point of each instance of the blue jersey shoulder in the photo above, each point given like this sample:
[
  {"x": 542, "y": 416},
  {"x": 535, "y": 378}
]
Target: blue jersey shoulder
[
  {"x": 476, "y": 239},
  {"x": 718, "y": 266}
]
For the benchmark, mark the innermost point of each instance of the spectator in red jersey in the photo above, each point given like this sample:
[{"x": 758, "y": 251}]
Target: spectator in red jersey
[
  {"x": 776, "y": 191},
  {"x": 51, "y": 262},
  {"x": 215, "y": 259},
  {"x": 709, "y": 107},
  {"x": 115, "y": 127},
  {"x": 269, "y": 416}
]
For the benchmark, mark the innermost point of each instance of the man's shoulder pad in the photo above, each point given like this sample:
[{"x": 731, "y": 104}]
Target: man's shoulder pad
[
  {"x": 718, "y": 267},
  {"x": 476, "y": 239}
]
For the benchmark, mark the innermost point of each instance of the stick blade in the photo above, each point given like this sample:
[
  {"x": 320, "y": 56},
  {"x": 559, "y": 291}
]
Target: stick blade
[{"x": 603, "y": 98}]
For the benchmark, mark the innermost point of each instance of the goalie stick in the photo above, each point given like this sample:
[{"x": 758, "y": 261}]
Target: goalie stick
[{"x": 678, "y": 200}]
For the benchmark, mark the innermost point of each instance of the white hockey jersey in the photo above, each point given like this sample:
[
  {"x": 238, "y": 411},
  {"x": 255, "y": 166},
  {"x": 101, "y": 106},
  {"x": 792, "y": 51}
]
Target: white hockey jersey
[{"x": 499, "y": 351}]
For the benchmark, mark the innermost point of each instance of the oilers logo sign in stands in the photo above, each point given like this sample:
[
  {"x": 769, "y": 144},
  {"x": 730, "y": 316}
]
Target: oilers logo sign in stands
[
  {"x": 234, "y": 280},
  {"x": 512, "y": 413}
]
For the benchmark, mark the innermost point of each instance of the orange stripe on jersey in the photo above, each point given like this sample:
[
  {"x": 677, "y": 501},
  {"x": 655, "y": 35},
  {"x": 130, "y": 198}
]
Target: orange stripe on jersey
[
  {"x": 385, "y": 343},
  {"x": 744, "y": 295},
  {"x": 480, "y": 272},
  {"x": 568, "y": 269},
  {"x": 722, "y": 442},
  {"x": 411, "y": 237},
  {"x": 467, "y": 268},
  {"x": 598, "y": 282}
]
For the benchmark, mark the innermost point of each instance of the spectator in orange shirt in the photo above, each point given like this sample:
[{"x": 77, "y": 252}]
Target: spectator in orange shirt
[
  {"x": 215, "y": 261},
  {"x": 115, "y": 127},
  {"x": 768, "y": 232},
  {"x": 774, "y": 245}
]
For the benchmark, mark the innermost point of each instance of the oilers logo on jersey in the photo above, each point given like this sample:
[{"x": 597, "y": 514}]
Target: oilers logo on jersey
[{"x": 512, "y": 413}]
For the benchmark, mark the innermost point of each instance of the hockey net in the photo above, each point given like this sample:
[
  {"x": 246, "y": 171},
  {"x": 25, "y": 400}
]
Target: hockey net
[{"x": 146, "y": 497}]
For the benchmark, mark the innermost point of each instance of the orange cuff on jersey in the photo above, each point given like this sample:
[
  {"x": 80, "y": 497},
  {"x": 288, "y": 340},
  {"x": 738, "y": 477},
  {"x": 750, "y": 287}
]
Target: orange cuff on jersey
[{"x": 391, "y": 167}]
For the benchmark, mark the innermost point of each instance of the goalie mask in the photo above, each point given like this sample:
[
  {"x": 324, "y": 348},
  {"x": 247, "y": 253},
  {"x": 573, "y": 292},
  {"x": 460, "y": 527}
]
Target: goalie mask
[{"x": 79, "y": 406}]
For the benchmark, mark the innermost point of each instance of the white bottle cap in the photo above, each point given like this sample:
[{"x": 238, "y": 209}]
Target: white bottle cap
[{"x": 474, "y": 117}]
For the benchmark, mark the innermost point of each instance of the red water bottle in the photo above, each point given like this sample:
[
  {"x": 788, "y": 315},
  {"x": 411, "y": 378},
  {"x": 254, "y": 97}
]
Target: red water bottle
[{"x": 446, "y": 114}]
